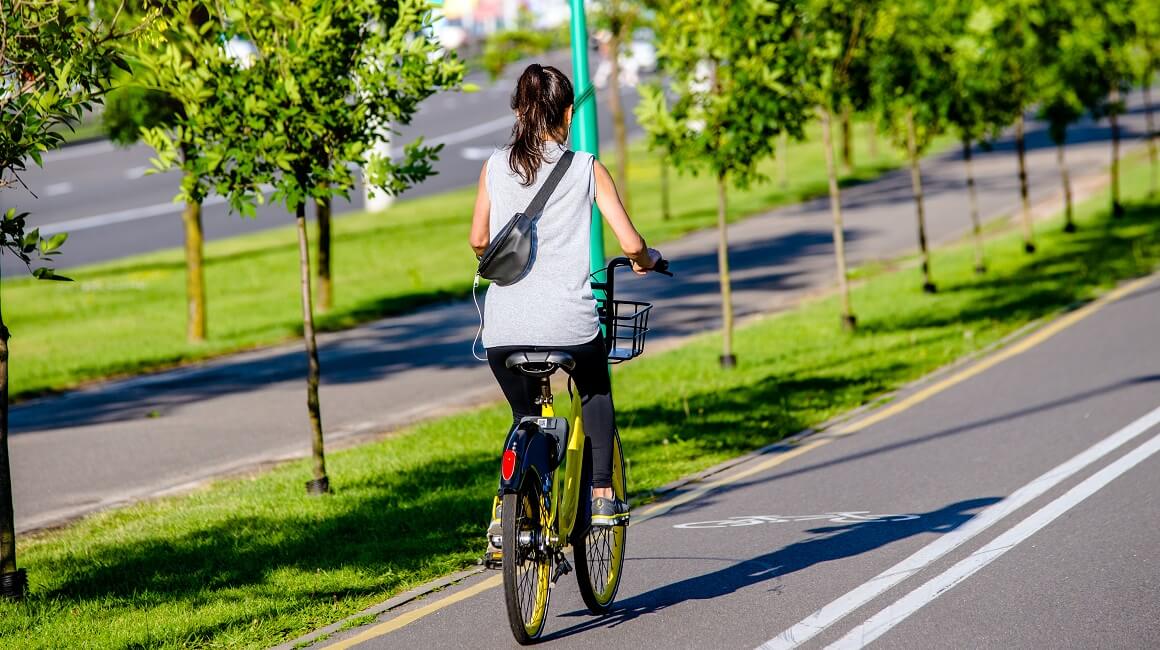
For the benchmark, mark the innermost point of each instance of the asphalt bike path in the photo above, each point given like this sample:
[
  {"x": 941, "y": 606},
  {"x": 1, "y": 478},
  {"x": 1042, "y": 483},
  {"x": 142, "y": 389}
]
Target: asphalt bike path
[
  {"x": 1009, "y": 502},
  {"x": 119, "y": 441}
]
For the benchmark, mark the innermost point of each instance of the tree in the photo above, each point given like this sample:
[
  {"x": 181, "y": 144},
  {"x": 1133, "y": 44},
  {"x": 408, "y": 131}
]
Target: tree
[
  {"x": 979, "y": 105},
  {"x": 1146, "y": 63},
  {"x": 326, "y": 78},
  {"x": 1146, "y": 60},
  {"x": 1068, "y": 79},
  {"x": 737, "y": 75},
  {"x": 833, "y": 34},
  {"x": 1115, "y": 35},
  {"x": 910, "y": 65},
  {"x": 618, "y": 18},
  {"x": 55, "y": 62},
  {"x": 132, "y": 108},
  {"x": 1015, "y": 50}
]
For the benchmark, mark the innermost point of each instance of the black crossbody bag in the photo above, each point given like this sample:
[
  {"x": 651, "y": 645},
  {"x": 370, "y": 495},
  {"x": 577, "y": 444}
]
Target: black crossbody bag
[{"x": 508, "y": 257}]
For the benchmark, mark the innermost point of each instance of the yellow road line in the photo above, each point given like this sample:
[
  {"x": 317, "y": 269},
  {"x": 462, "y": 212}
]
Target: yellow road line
[
  {"x": 405, "y": 619},
  {"x": 809, "y": 444}
]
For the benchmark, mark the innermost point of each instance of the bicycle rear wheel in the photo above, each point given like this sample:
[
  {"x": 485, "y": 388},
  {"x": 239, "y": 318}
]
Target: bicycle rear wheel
[
  {"x": 527, "y": 567},
  {"x": 599, "y": 552}
]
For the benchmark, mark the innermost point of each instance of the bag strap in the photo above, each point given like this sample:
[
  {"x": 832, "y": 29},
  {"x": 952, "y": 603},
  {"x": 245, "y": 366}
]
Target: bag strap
[{"x": 541, "y": 199}]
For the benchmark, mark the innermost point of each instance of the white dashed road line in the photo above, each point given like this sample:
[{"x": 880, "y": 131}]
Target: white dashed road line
[
  {"x": 823, "y": 618},
  {"x": 57, "y": 189}
]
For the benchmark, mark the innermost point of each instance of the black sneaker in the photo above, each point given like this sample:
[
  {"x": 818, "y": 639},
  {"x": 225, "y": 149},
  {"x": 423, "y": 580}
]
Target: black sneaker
[{"x": 609, "y": 512}]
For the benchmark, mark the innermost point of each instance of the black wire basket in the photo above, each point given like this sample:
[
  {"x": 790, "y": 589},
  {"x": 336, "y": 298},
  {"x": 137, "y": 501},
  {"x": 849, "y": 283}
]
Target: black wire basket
[{"x": 626, "y": 325}]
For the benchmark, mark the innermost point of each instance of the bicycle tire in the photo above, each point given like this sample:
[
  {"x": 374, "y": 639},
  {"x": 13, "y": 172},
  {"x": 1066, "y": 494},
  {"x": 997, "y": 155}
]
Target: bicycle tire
[
  {"x": 527, "y": 570},
  {"x": 599, "y": 552}
]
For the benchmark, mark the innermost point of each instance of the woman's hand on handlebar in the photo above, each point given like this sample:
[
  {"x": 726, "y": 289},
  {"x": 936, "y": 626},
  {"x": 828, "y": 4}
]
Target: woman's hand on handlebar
[{"x": 654, "y": 256}]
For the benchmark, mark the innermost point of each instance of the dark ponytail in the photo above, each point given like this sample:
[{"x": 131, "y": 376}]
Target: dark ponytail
[{"x": 541, "y": 100}]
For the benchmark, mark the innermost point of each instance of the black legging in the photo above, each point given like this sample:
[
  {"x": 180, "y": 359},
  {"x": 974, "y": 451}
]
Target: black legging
[{"x": 591, "y": 377}]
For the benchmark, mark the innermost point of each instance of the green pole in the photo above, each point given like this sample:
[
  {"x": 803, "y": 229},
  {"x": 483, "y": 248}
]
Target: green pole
[{"x": 584, "y": 132}]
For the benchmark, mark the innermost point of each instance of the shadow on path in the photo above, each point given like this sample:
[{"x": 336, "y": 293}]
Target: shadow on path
[{"x": 828, "y": 544}]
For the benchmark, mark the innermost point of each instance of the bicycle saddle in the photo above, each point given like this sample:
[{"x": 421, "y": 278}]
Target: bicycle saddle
[{"x": 540, "y": 364}]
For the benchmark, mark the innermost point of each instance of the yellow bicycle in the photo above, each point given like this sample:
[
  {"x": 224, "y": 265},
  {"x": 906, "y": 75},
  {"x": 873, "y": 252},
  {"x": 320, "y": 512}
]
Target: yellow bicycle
[{"x": 545, "y": 484}]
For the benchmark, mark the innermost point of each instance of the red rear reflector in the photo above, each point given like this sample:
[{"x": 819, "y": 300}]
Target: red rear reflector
[{"x": 508, "y": 465}]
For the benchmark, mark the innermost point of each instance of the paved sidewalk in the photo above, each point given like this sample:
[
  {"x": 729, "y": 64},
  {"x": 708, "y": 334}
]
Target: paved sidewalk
[{"x": 120, "y": 441}]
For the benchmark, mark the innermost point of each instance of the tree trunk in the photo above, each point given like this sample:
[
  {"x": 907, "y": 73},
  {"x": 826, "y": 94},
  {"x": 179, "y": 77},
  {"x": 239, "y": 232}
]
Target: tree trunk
[
  {"x": 1021, "y": 152},
  {"x": 916, "y": 185},
  {"x": 1114, "y": 118},
  {"x": 320, "y": 484},
  {"x": 728, "y": 360},
  {"x": 847, "y": 141},
  {"x": 194, "y": 272},
  {"x": 12, "y": 580},
  {"x": 666, "y": 211},
  {"x": 1068, "y": 214},
  {"x": 782, "y": 163},
  {"x": 847, "y": 315},
  {"x": 617, "y": 111},
  {"x": 1152, "y": 187},
  {"x": 325, "y": 280},
  {"x": 976, "y": 223}
]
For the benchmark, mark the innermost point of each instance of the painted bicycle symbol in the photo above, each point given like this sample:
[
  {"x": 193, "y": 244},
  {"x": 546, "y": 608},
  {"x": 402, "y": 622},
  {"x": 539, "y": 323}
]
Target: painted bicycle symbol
[{"x": 850, "y": 517}]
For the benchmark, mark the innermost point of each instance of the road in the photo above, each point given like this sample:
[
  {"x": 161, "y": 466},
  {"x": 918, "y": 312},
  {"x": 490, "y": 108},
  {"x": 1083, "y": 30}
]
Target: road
[
  {"x": 111, "y": 208},
  {"x": 1008, "y": 504},
  {"x": 115, "y": 442}
]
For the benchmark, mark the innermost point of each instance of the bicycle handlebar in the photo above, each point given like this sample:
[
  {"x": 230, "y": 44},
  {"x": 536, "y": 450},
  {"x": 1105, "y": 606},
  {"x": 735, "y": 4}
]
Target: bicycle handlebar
[{"x": 662, "y": 265}]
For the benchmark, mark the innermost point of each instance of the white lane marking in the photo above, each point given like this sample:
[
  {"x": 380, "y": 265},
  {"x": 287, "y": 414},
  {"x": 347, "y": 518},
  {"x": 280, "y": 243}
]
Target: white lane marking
[
  {"x": 473, "y": 132},
  {"x": 477, "y": 153},
  {"x": 880, "y": 623},
  {"x": 823, "y": 618},
  {"x": 132, "y": 214},
  {"x": 57, "y": 189},
  {"x": 843, "y": 517},
  {"x": 120, "y": 216},
  {"x": 133, "y": 173},
  {"x": 78, "y": 151}
]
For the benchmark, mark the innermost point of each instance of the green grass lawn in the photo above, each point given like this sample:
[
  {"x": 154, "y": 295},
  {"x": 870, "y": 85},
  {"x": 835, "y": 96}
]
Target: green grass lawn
[
  {"x": 254, "y": 561},
  {"x": 129, "y": 316}
]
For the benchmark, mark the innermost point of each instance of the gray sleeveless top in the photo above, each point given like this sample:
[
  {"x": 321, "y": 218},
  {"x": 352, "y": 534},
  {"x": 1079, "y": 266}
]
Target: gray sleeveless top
[{"x": 553, "y": 304}]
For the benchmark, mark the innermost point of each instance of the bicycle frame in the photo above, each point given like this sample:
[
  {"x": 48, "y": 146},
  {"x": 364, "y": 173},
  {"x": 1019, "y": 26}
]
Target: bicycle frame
[{"x": 526, "y": 453}]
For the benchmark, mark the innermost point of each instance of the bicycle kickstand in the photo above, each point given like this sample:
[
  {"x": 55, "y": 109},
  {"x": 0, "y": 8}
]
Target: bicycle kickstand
[{"x": 562, "y": 569}]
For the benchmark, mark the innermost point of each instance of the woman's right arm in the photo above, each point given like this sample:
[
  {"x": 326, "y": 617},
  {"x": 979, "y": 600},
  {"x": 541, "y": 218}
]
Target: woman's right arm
[
  {"x": 481, "y": 217},
  {"x": 631, "y": 242}
]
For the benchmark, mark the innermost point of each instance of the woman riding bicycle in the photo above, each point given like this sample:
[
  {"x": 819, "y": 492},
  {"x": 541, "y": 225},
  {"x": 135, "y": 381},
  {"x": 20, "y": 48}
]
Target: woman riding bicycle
[{"x": 552, "y": 306}]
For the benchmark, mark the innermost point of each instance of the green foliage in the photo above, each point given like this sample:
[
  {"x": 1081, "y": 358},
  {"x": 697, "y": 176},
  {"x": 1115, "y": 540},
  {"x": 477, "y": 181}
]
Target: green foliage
[
  {"x": 980, "y": 103},
  {"x": 327, "y": 80},
  {"x": 738, "y": 77},
  {"x": 508, "y": 46},
  {"x": 55, "y": 62},
  {"x": 1069, "y": 77},
  {"x": 129, "y": 109},
  {"x": 910, "y": 65},
  {"x": 835, "y": 36}
]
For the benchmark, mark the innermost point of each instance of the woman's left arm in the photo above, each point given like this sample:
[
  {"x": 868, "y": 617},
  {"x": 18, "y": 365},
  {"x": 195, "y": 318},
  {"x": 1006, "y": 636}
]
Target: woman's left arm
[{"x": 481, "y": 217}]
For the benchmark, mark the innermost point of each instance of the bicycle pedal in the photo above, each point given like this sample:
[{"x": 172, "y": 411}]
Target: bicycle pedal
[{"x": 492, "y": 560}]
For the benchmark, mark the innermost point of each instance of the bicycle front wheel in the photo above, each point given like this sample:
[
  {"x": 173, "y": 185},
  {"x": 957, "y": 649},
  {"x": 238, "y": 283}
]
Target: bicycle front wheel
[
  {"x": 527, "y": 566},
  {"x": 599, "y": 553}
]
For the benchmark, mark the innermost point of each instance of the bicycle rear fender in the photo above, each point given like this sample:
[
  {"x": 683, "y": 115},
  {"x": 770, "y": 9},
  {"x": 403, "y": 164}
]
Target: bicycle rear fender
[{"x": 537, "y": 443}]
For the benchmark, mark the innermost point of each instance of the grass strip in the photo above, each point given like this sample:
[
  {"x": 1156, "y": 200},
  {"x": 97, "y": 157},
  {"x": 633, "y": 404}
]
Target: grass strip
[
  {"x": 128, "y": 317},
  {"x": 252, "y": 562}
]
